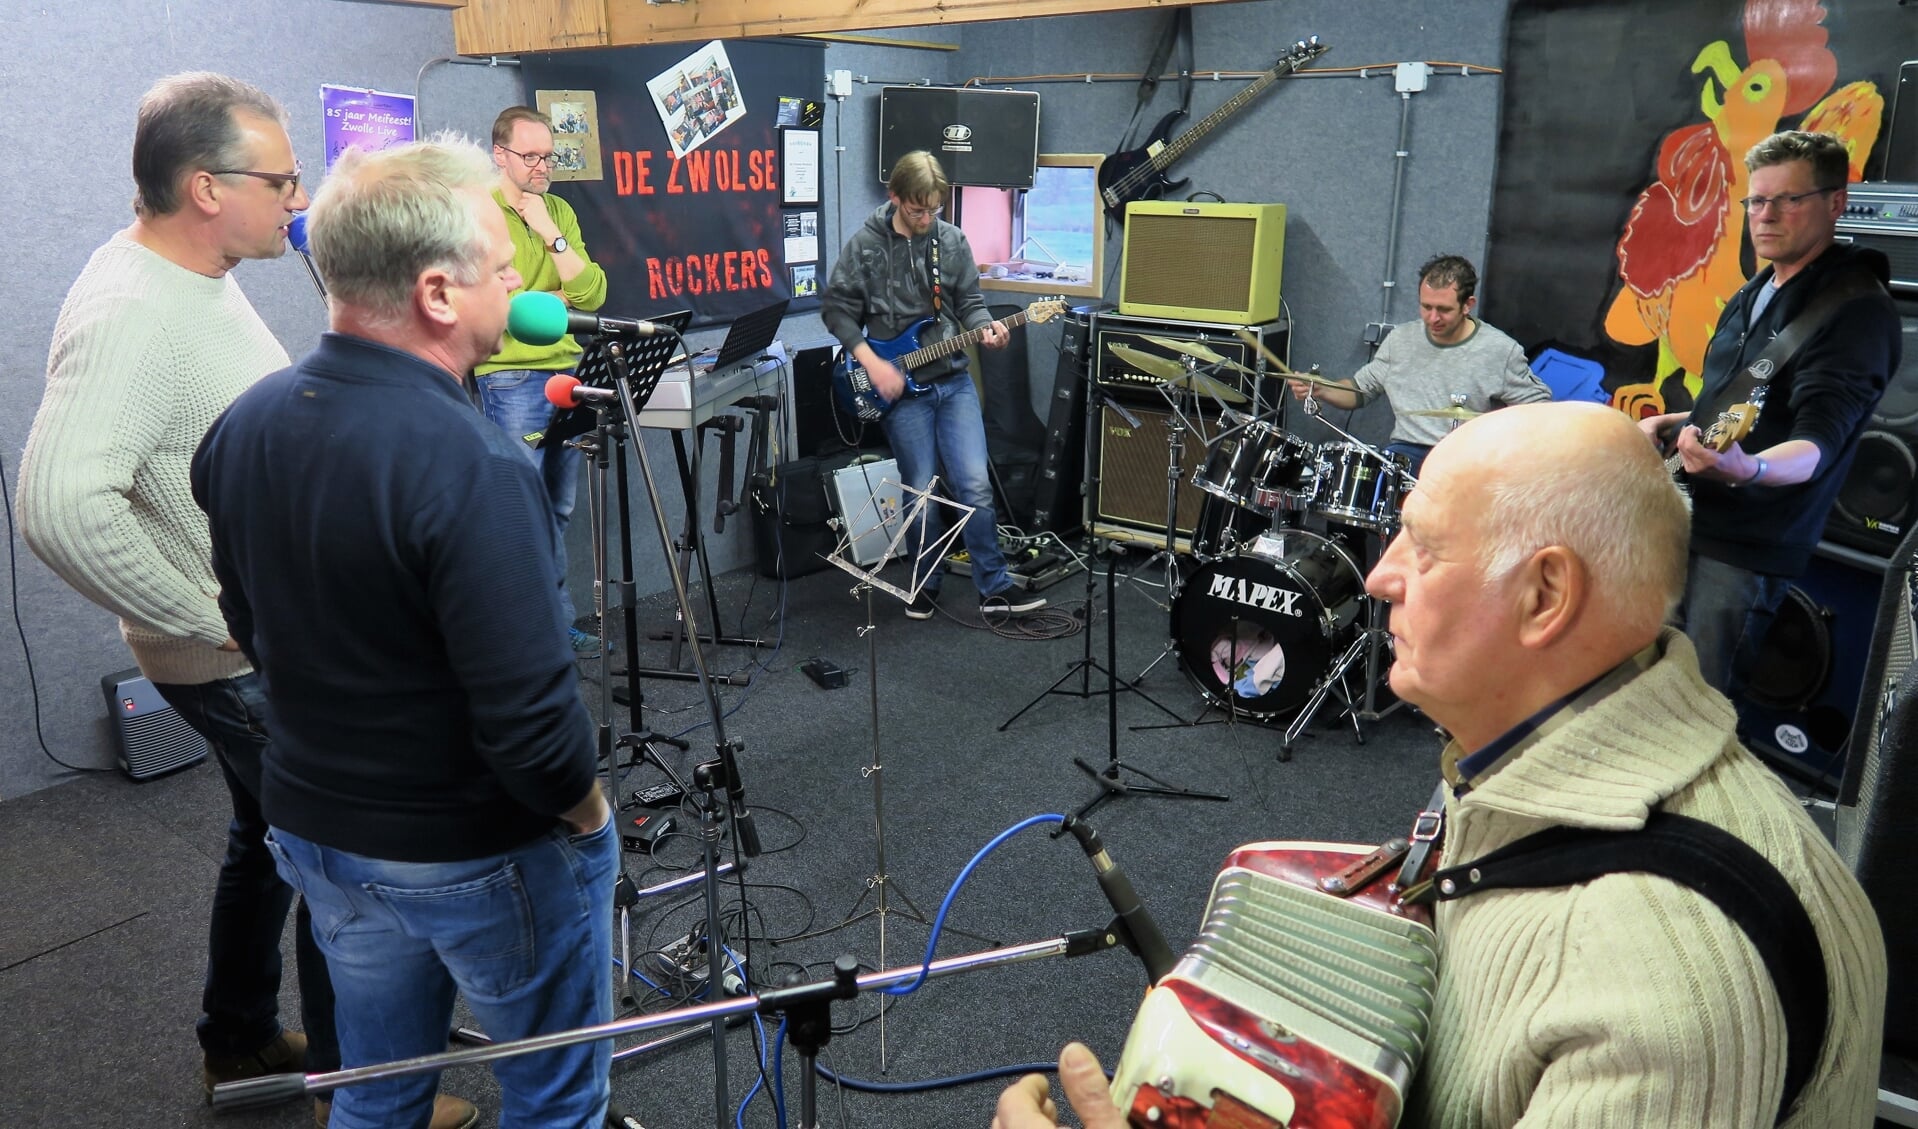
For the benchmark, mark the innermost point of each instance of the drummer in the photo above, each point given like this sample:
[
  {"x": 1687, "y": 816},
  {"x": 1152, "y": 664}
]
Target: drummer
[{"x": 1448, "y": 361}]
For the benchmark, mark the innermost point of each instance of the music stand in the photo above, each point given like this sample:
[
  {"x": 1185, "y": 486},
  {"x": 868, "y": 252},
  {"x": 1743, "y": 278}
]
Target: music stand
[
  {"x": 932, "y": 552},
  {"x": 647, "y": 359}
]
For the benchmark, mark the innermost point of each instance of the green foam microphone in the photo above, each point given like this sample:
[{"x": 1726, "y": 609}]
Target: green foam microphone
[{"x": 539, "y": 317}]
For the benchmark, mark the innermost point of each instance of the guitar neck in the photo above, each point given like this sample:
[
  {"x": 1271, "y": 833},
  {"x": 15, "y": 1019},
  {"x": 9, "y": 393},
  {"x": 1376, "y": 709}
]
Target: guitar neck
[
  {"x": 952, "y": 345},
  {"x": 1175, "y": 149}
]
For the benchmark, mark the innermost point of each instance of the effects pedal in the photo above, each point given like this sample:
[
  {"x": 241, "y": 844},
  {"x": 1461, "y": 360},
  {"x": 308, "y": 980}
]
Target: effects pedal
[
  {"x": 638, "y": 831},
  {"x": 827, "y": 675},
  {"x": 661, "y": 795}
]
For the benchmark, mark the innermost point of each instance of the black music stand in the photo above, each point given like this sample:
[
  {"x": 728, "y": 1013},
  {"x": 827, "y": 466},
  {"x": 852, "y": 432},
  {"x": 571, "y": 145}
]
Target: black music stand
[{"x": 647, "y": 359}]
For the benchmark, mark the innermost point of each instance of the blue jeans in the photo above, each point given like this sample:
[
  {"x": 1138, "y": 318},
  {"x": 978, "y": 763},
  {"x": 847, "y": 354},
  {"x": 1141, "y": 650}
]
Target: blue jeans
[
  {"x": 526, "y": 936},
  {"x": 240, "y": 1003},
  {"x": 515, "y": 399},
  {"x": 1726, "y": 612},
  {"x": 942, "y": 433}
]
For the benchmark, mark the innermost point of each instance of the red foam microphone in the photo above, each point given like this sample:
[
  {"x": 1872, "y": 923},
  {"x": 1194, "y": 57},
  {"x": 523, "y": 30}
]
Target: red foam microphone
[{"x": 564, "y": 390}]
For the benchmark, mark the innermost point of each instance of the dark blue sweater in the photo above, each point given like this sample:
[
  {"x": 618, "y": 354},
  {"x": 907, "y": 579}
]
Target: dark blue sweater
[
  {"x": 387, "y": 561},
  {"x": 1825, "y": 395}
]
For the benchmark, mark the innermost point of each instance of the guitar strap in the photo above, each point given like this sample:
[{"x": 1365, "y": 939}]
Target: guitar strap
[
  {"x": 1178, "y": 30},
  {"x": 1778, "y": 355}
]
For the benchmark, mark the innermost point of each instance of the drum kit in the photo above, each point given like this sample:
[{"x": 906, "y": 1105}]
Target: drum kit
[{"x": 1269, "y": 619}]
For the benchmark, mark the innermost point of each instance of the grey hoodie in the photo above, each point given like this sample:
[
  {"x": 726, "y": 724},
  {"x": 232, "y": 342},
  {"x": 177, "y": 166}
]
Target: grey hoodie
[{"x": 881, "y": 282}]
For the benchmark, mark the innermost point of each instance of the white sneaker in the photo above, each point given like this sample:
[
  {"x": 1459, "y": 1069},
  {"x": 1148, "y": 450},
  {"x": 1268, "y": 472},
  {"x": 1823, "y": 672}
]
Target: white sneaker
[{"x": 1011, "y": 602}]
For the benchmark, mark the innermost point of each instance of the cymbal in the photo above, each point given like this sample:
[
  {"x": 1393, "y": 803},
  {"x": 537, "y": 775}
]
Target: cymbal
[
  {"x": 1200, "y": 382},
  {"x": 1197, "y": 350},
  {"x": 1456, "y": 411},
  {"x": 1151, "y": 364}
]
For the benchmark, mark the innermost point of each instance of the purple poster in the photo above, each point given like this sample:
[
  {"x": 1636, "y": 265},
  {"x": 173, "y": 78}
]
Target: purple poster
[{"x": 370, "y": 119}]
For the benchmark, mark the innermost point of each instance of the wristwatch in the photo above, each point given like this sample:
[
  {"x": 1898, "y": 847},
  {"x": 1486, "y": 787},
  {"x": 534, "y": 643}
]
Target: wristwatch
[{"x": 558, "y": 245}]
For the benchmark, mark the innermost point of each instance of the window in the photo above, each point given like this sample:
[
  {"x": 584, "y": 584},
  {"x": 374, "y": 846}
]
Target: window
[{"x": 1047, "y": 239}]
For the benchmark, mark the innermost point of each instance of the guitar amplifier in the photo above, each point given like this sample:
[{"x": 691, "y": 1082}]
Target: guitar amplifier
[
  {"x": 1202, "y": 262},
  {"x": 1124, "y": 379},
  {"x": 152, "y": 738},
  {"x": 1129, "y": 504}
]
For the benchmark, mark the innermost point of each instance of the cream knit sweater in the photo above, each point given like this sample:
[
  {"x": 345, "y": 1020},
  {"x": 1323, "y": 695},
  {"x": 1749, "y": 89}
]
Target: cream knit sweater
[
  {"x": 1631, "y": 1001},
  {"x": 145, "y": 354}
]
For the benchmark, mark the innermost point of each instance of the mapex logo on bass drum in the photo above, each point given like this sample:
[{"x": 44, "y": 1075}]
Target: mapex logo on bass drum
[{"x": 958, "y": 139}]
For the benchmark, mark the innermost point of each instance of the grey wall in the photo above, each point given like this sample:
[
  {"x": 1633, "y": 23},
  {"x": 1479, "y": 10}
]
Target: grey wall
[{"x": 1321, "y": 146}]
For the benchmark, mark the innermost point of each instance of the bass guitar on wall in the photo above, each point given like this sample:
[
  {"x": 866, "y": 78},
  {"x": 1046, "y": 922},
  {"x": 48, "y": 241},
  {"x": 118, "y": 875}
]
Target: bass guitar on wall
[
  {"x": 1139, "y": 174},
  {"x": 852, "y": 386}
]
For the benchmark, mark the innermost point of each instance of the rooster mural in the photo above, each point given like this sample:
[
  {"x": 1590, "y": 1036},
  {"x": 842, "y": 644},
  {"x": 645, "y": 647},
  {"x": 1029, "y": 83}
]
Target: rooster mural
[{"x": 1679, "y": 255}]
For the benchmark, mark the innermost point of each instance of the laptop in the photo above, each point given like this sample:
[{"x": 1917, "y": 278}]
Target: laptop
[{"x": 746, "y": 340}]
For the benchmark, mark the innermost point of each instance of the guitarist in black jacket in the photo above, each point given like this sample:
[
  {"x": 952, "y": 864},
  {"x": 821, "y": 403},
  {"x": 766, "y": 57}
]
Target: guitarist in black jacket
[
  {"x": 1759, "y": 506},
  {"x": 905, "y": 265}
]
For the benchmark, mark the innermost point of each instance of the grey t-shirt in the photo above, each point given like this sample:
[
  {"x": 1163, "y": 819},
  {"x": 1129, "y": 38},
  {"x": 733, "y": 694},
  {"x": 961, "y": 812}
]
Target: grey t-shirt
[{"x": 1488, "y": 369}]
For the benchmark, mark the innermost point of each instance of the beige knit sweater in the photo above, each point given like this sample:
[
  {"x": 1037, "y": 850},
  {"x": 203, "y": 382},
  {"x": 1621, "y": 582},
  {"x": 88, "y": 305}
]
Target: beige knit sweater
[
  {"x": 145, "y": 354},
  {"x": 1631, "y": 1001}
]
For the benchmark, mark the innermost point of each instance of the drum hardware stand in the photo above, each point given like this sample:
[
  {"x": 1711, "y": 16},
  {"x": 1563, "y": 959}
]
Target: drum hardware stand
[
  {"x": 1086, "y": 664},
  {"x": 1112, "y": 782},
  {"x": 880, "y": 885}
]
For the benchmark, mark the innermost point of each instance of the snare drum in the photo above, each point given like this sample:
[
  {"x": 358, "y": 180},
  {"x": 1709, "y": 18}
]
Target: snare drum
[
  {"x": 1355, "y": 488},
  {"x": 1260, "y": 468},
  {"x": 1257, "y": 630}
]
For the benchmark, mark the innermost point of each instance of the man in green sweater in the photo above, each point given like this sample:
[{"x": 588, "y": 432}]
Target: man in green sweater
[
  {"x": 549, "y": 256},
  {"x": 1542, "y": 550}
]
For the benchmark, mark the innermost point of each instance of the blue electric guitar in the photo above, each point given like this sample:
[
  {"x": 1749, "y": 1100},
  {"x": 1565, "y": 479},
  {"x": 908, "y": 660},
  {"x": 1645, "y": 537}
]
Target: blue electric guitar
[{"x": 854, "y": 390}]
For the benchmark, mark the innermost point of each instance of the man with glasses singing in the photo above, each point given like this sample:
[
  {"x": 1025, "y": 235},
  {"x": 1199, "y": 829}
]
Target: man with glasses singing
[
  {"x": 154, "y": 340},
  {"x": 1759, "y": 507},
  {"x": 549, "y": 256},
  {"x": 905, "y": 264}
]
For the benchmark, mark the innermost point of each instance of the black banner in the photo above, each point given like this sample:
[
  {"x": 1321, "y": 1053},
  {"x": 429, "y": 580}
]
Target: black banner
[
  {"x": 1616, "y": 233},
  {"x": 704, "y": 232}
]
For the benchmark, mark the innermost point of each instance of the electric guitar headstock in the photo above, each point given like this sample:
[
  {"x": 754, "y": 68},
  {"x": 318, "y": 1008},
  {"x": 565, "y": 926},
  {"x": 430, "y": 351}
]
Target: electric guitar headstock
[
  {"x": 1045, "y": 310},
  {"x": 1732, "y": 424}
]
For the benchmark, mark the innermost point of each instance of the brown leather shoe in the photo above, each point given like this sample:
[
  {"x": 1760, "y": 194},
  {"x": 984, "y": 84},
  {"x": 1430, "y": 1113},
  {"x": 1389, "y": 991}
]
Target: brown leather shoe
[
  {"x": 449, "y": 1112},
  {"x": 284, "y": 1055}
]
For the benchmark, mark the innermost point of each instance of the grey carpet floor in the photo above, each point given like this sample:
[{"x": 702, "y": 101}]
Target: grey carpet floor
[{"x": 107, "y": 882}]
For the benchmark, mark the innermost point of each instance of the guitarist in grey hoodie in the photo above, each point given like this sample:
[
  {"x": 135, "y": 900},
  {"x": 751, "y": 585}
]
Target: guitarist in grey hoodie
[{"x": 907, "y": 279}]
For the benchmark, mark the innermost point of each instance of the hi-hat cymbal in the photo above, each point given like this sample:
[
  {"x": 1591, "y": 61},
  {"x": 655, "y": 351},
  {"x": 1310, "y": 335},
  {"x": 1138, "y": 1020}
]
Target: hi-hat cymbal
[
  {"x": 1197, "y": 350},
  {"x": 1149, "y": 363},
  {"x": 1456, "y": 411}
]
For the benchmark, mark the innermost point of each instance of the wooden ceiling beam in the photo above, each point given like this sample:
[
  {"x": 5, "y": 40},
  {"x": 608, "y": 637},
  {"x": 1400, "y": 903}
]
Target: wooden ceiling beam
[{"x": 502, "y": 27}]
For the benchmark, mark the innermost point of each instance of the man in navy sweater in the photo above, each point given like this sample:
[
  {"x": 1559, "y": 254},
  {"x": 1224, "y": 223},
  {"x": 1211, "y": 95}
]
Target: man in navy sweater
[
  {"x": 1759, "y": 507},
  {"x": 386, "y": 560}
]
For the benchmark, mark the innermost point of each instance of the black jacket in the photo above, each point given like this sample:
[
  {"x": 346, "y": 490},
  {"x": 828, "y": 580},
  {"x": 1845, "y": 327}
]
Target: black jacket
[
  {"x": 1825, "y": 395},
  {"x": 386, "y": 557}
]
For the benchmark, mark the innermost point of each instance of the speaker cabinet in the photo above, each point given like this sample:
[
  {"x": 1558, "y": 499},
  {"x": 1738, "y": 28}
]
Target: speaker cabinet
[
  {"x": 1129, "y": 504},
  {"x": 1059, "y": 487},
  {"x": 1901, "y": 132},
  {"x": 1797, "y": 710},
  {"x": 152, "y": 738},
  {"x": 984, "y": 137},
  {"x": 1879, "y": 500}
]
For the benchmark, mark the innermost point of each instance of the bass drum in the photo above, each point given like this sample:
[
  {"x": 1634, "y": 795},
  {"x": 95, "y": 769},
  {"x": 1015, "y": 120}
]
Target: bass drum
[{"x": 1258, "y": 629}]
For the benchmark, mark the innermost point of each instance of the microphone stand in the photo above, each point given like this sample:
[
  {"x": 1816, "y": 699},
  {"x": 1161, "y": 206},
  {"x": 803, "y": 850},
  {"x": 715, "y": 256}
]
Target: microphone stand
[{"x": 720, "y": 775}]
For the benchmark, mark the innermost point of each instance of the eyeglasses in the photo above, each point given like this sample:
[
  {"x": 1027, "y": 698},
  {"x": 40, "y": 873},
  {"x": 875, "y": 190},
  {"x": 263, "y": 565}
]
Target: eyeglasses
[
  {"x": 1782, "y": 203},
  {"x": 532, "y": 160},
  {"x": 913, "y": 213},
  {"x": 281, "y": 181}
]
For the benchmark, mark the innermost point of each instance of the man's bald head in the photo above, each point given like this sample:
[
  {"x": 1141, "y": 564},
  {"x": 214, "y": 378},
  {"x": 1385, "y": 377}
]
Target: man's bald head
[{"x": 1581, "y": 476}]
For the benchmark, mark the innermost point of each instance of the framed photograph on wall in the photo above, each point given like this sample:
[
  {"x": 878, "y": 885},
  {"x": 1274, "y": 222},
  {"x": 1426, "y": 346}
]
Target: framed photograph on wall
[{"x": 799, "y": 166}]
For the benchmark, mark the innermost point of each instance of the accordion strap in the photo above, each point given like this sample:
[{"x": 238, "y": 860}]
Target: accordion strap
[{"x": 1701, "y": 857}]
